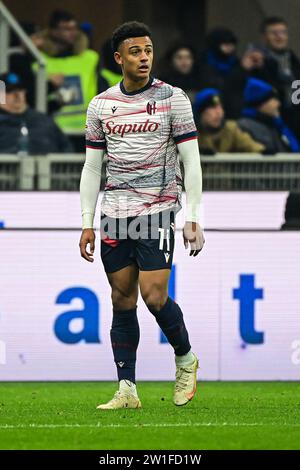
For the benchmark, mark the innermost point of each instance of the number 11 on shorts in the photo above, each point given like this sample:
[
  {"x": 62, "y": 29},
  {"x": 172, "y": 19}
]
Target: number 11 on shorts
[{"x": 162, "y": 237}]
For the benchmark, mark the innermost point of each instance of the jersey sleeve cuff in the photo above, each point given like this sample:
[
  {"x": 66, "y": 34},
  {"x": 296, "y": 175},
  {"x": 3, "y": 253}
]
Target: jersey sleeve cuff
[
  {"x": 87, "y": 220},
  {"x": 185, "y": 137},
  {"x": 97, "y": 145}
]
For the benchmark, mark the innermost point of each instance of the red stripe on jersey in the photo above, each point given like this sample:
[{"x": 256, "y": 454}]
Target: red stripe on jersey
[
  {"x": 95, "y": 148},
  {"x": 158, "y": 198},
  {"x": 111, "y": 99}
]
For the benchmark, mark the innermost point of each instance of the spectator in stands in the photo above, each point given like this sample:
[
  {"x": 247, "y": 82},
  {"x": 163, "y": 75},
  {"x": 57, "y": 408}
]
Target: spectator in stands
[
  {"x": 220, "y": 57},
  {"x": 21, "y": 63},
  {"x": 20, "y": 60},
  {"x": 24, "y": 129},
  {"x": 110, "y": 72},
  {"x": 282, "y": 64},
  {"x": 216, "y": 134},
  {"x": 179, "y": 68},
  {"x": 221, "y": 68},
  {"x": 261, "y": 118},
  {"x": 273, "y": 62},
  {"x": 72, "y": 67},
  {"x": 217, "y": 64}
]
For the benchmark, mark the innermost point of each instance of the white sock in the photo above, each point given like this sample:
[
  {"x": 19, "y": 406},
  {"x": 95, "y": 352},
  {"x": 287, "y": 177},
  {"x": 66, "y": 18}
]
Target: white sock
[
  {"x": 127, "y": 387},
  {"x": 185, "y": 360}
]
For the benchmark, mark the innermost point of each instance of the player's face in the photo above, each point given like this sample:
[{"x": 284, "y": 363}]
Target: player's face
[{"x": 135, "y": 55}]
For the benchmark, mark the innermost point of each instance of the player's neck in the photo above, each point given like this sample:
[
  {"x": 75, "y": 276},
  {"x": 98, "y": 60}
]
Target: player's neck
[{"x": 135, "y": 85}]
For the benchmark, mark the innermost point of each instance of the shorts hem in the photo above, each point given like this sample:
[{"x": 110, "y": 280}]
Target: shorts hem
[
  {"x": 119, "y": 267},
  {"x": 155, "y": 268}
]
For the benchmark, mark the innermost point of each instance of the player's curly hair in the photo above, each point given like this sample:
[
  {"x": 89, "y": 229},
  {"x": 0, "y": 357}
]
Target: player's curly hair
[{"x": 130, "y": 29}]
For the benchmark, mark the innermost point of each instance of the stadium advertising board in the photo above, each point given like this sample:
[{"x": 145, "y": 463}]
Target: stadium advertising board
[{"x": 240, "y": 298}]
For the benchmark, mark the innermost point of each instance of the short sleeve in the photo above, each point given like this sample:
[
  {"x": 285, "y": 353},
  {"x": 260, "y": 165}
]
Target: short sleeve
[
  {"x": 94, "y": 135},
  {"x": 183, "y": 124}
]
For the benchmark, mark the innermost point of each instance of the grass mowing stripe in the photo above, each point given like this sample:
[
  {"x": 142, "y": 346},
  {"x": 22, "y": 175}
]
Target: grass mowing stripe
[{"x": 144, "y": 425}]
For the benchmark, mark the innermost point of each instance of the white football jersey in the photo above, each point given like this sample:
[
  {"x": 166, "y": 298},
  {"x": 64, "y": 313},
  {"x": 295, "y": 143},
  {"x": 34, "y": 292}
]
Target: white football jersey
[{"x": 140, "y": 131}]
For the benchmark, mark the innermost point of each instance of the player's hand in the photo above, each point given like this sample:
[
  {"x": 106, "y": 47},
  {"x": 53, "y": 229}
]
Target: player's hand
[
  {"x": 87, "y": 237},
  {"x": 193, "y": 236}
]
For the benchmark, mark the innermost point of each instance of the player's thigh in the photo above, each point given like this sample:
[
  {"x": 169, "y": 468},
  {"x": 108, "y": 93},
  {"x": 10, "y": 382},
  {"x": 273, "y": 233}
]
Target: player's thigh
[
  {"x": 124, "y": 287},
  {"x": 154, "y": 286},
  {"x": 116, "y": 254},
  {"x": 155, "y": 247}
]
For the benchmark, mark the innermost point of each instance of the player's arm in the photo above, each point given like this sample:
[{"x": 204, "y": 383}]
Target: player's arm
[
  {"x": 89, "y": 190},
  {"x": 90, "y": 180},
  {"x": 190, "y": 158},
  {"x": 185, "y": 135}
]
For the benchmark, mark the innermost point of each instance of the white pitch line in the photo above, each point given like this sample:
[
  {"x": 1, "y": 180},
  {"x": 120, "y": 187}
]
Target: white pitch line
[{"x": 145, "y": 425}]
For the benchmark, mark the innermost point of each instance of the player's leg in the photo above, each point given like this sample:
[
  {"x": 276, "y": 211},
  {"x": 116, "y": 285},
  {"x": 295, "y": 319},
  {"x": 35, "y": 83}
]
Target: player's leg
[
  {"x": 154, "y": 290},
  {"x": 124, "y": 331},
  {"x": 122, "y": 274},
  {"x": 124, "y": 335},
  {"x": 154, "y": 257}
]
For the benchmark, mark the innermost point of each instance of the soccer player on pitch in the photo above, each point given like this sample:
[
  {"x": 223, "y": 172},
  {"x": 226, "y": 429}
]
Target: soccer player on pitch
[{"x": 145, "y": 126}]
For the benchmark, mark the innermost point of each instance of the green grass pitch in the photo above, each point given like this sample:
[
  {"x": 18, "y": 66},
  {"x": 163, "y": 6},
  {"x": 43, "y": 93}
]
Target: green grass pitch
[{"x": 223, "y": 415}]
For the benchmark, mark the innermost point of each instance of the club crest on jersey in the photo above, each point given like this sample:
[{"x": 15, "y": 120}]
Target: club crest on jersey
[{"x": 151, "y": 107}]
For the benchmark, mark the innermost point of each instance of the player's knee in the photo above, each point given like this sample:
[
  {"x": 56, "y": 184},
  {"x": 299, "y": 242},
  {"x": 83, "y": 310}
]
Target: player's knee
[
  {"x": 123, "y": 300},
  {"x": 155, "y": 298}
]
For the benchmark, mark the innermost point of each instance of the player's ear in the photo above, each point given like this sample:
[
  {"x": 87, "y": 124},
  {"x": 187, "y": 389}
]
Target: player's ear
[{"x": 118, "y": 58}]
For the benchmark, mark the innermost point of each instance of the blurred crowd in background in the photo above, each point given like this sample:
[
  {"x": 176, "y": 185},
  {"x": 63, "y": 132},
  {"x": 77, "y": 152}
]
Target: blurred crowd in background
[{"x": 240, "y": 103}]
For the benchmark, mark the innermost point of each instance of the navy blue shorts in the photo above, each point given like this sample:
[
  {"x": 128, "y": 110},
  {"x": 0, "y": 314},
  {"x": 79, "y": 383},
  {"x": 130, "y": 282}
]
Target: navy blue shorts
[{"x": 147, "y": 241}]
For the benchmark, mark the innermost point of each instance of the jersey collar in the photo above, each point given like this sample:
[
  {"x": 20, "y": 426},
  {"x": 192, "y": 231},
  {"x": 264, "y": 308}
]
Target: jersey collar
[{"x": 135, "y": 92}]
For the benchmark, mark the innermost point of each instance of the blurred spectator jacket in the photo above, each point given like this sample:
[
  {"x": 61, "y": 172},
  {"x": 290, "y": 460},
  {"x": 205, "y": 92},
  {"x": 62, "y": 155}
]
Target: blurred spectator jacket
[
  {"x": 272, "y": 132},
  {"x": 261, "y": 118},
  {"x": 78, "y": 65},
  {"x": 228, "y": 139},
  {"x": 217, "y": 69},
  {"x": 110, "y": 73},
  {"x": 44, "y": 135},
  {"x": 284, "y": 68}
]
